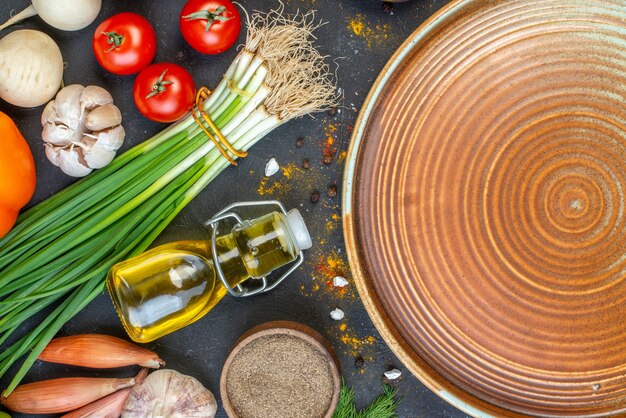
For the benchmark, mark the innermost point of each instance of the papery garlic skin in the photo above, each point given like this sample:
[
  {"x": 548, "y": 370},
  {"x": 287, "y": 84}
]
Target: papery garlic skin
[
  {"x": 103, "y": 117},
  {"x": 82, "y": 129},
  {"x": 67, "y": 107},
  {"x": 94, "y": 96},
  {"x": 53, "y": 154},
  {"x": 72, "y": 162},
  {"x": 169, "y": 394}
]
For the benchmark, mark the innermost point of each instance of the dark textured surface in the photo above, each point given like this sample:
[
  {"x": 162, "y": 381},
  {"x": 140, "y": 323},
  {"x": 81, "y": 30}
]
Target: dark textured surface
[{"x": 360, "y": 50}]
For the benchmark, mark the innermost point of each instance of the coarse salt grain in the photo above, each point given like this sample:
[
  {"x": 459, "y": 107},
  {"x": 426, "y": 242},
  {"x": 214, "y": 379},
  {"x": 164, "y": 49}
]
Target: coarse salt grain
[
  {"x": 271, "y": 167},
  {"x": 393, "y": 374},
  {"x": 337, "y": 314},
  {"x": 339, "y": 281}
]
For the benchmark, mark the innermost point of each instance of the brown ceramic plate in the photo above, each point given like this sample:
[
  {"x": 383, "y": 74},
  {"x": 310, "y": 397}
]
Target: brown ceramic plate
[{"x": 485, "y": 206}]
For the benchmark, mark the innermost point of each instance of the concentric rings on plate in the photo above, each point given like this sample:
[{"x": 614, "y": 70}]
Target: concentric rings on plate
[{"x": 485, "y": 208}]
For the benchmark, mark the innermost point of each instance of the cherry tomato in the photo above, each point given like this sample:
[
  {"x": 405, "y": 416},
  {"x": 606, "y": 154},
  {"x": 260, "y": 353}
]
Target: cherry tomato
[
  {"x": 125, "y": 43},
  {"x": 164, "y": 92},
  {"x": 210, "y": 26}
]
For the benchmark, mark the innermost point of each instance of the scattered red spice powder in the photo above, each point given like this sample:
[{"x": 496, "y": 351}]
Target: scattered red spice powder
[{"x": 330, "y": 144}]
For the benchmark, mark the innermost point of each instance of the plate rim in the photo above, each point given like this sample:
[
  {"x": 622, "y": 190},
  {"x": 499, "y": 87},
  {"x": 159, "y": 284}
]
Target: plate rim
[{"x": 434, "y": 381}]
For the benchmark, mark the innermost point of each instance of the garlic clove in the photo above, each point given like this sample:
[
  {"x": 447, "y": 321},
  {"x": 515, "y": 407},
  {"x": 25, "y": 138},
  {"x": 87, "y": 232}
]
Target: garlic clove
[
  {"x": 49, "y": 114},
  {"x": 271, "y": 167},
  {"x": 339, "y": 281},
  {"x": 337, "y": 314},
  {"x": 103, "y": 117},
  {"x": 393, "y": 374},
  {"x": 72, "y": 163},
  {"x": 112, "y": 138},
  {"x": 57, "y": 134},
  {"x": 94, "y": 96},
  {"x": 87, "y": 142},
  {"x": 99, "y": 155},
  {"x": 67, "y": 105},
  {"x": 100, "y": 148},
  {"x": 167, "y": 393},
  {"x": 52, "y": 153}
]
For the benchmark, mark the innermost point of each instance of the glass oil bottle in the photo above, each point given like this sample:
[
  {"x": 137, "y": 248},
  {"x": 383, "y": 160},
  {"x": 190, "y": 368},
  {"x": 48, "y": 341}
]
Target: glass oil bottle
[{"x": 175, "y": 284}]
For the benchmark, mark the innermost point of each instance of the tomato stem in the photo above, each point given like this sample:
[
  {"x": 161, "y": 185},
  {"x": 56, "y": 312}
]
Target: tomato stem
[
  {"x": 159, "y": 86},
  {"x": 114, "y": 39},
  {"x": 210, "y": 17}
]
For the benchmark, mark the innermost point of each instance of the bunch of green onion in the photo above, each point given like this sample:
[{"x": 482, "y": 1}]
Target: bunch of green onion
[{"x": 58, "y": 254}]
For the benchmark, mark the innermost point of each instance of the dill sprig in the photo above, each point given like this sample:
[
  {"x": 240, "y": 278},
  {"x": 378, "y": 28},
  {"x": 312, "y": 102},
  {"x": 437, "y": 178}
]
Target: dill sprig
[
  {"x": 346, "y": 407},
  {"x": 382, "y": 407}
]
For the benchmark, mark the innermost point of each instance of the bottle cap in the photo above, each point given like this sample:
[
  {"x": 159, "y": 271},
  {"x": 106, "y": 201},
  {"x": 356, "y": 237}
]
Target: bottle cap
[{"x": 299, "y": 230}]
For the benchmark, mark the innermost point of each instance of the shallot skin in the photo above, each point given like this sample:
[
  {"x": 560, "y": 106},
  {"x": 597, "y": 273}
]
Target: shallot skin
[
  {"x": 108, "y": 407},
  {"x": 98, "y": 351},
  {"x": 62, "y": 395}
]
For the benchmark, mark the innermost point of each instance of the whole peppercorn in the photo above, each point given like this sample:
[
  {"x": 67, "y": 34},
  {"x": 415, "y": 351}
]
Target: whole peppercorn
[
  {"x": 332, "y": 111},
  {"x": 332, "y": 190},
  {"x": 359, "y": 361},
  {"x": 315, "y": 196},
  {"x": 328, "y": 159},
  {"x": 387, "y": 7},
  {"x": 306, "y": 164},
  {"x": 300, "y": 142}
]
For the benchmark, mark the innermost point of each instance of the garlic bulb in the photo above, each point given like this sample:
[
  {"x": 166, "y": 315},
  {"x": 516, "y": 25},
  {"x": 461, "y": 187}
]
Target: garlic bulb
[
  {"x": 169, "y": 394},
  {"x": 82, "y": 129}
]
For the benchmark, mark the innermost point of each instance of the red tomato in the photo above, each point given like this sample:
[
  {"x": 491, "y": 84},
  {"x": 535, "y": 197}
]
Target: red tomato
[
  {"x": 210, "y": 26},
  {"x": 125, "y": 43},
  {"x": 164, "y": 92}
]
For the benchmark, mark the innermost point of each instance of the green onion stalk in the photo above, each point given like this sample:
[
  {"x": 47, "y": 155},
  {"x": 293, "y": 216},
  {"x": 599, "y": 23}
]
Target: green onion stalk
[{"x": 58, "y": 254}]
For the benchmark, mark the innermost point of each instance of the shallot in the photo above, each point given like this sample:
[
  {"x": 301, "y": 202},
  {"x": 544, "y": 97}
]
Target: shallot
[
  {"x": 98, "y": 351},
  {"x": 110, "y": 406},
  {"x": 62, "y": 395}
]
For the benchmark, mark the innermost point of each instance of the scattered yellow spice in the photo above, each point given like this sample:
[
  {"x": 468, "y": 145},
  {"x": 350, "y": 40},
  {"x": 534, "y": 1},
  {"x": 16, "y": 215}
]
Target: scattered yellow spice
[
  {"x": 355, "y": 342},
  {"x": 356, "y": 25},
  {"x": 372, "y": 34}
]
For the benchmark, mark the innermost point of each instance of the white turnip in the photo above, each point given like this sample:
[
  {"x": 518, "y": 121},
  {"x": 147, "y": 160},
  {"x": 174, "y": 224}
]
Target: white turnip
[
  {"x": 31, "y": 68},
  {"x": 62, "y": 14}
]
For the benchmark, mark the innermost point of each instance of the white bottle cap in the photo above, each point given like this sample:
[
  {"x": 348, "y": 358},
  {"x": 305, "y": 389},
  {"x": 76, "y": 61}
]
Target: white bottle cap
[{"x": 298, "y": 230}]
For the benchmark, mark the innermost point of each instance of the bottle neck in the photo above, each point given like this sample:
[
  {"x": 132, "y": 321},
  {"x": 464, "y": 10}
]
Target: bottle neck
[{"x": 255, "y": 248}]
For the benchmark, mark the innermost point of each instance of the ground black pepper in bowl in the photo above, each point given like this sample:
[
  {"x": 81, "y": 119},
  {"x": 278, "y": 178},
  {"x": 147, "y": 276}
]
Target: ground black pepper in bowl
[{"x": 280, "y": 375}]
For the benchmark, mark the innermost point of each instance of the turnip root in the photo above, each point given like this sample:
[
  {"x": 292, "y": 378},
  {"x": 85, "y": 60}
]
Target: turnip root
[
  {"x": 62, "y": 14},
  {"x": 31, "y": 67}
]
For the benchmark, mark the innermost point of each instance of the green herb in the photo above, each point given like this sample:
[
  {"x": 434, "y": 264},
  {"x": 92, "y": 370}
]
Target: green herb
[
  {"x": 383, "y": 407},
  {"x": 346, "y": 407},
  {"x": 58, "y": 254}
]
